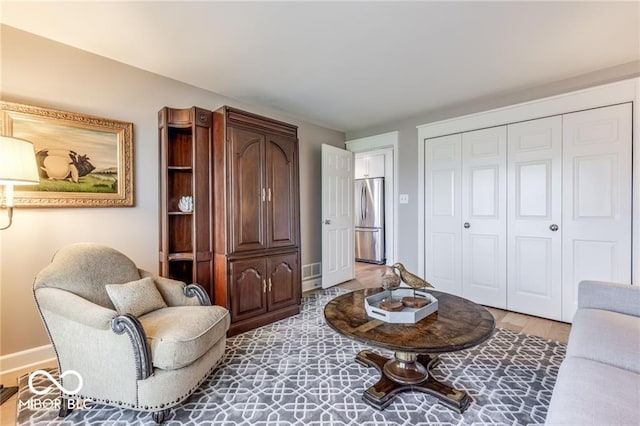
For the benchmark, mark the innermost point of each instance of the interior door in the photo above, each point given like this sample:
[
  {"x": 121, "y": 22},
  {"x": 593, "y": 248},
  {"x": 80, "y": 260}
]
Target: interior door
[
  {"x": 484, "y": 186},
  {"x": 534, "y": 212},
  {"x": 443, "y": 251},
  {"x": 337, "y": 216},
  {"x": 596, "y": 199}
]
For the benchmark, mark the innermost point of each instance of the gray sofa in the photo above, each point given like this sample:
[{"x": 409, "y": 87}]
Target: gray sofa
[{"x": 599, "y": 380}]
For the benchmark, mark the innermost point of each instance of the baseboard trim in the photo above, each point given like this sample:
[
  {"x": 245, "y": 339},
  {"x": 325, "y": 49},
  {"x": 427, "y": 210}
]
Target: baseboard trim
[
  {"x": 312, "y": 284},
  {"x": 26, "y": 359}
]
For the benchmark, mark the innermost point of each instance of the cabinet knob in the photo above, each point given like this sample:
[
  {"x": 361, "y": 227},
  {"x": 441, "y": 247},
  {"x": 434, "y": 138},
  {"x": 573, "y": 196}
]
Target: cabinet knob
[
  {"x": 326, "y": 222},
  {"x": 467, "y": 225},
  {"x": 554, "y": 227}
]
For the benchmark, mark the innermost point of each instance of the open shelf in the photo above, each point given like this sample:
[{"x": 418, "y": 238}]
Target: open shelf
[{"x": 185, "y": 143}]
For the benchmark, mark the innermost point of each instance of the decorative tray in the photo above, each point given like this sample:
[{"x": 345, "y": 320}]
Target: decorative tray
[{"x": 407, "y": 315}]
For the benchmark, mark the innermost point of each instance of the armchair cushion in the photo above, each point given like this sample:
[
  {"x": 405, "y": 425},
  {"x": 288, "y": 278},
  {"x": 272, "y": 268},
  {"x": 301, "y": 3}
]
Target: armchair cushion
[
  {"x": 136, "y": 297},
  {"x": 180, "y": 335}
]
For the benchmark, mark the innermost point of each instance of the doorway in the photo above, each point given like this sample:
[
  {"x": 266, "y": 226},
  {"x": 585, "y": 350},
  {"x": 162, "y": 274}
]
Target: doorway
[{"x": 385, "y": 145}]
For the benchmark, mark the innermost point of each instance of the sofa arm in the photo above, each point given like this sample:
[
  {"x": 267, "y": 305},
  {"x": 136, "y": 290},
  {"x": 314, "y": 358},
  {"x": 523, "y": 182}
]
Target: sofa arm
[
  {"x": 75, "y": 308},
  {"x": 615, "y": 297}
]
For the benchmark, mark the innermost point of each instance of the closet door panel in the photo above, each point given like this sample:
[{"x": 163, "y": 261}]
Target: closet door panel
[
  {"x": 484, "y": 216},
  {"x": 534, "y": 256},
  {"x": 443, "y": 249},
  {"x": 597, "y": 171}
]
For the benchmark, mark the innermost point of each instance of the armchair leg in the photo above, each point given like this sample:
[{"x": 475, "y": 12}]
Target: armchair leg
[
  {"x": 64, "y": 407},
  {"x": 160, "y": 416}
]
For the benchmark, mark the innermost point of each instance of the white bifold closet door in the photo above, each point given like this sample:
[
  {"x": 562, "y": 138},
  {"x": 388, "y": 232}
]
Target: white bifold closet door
[
  {"x": 466, "y": 215},
  {"x": 596, "y": 210},
  {"x": 534, "y": 217},
  {"x": 518, "y": 215},
  {"x": 443, "y": 248},
  {"x": 484, "y": 233}
]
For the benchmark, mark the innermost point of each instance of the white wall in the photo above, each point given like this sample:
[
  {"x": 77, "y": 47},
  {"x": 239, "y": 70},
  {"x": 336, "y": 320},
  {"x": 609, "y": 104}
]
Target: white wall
[{"x": 43, "y": 73}]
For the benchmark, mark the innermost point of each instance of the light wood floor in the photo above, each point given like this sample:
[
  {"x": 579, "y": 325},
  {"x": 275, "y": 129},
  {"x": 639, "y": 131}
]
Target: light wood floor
[{"x": 368, "y": 275}]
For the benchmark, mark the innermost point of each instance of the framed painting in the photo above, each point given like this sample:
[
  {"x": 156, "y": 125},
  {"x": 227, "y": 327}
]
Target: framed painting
[{"x": 83, "y": 160}]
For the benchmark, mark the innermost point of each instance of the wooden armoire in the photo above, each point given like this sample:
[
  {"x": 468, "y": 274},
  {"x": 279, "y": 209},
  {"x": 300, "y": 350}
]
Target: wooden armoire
[{"x": 256, "y": 219}]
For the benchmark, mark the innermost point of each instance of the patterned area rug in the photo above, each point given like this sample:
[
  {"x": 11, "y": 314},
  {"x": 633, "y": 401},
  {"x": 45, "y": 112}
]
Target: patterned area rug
[{"x": 300, "y": 372}]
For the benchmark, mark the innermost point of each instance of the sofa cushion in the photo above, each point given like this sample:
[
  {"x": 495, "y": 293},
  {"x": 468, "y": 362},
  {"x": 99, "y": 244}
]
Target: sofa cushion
[
  {"x": 592, "y": 393},
  {"x": 608, "y": 337},
  {"x": 180, "y": 335},
  {"x": 136, "y": 297}
]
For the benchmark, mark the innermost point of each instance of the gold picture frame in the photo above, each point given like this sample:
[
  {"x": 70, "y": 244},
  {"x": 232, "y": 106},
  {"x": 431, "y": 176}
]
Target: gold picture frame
[{"x": 83, "y": 160}]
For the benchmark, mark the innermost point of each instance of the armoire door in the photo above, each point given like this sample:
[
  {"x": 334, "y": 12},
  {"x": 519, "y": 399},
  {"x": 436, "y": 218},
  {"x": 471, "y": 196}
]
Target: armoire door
[
  {"x": 283, "y": 282},
  {"x": 484, "y": 187},
  {"x": 282, "y": 191},
  {"x": 248, "y": 288},
  {"x": 443, "y": 249},
  {"x": 248, "y": 190},
  {"x": 534, "y": 212},
  {"x": 597, "y": 199}
]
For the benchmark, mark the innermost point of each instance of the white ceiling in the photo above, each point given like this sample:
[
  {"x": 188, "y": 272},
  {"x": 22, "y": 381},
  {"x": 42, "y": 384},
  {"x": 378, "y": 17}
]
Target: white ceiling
[{"x": 347, "y": 65}]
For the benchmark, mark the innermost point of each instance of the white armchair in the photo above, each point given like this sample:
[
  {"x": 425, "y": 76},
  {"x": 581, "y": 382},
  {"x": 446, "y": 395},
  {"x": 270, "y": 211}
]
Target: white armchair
[{"x": 138, "y": 341}]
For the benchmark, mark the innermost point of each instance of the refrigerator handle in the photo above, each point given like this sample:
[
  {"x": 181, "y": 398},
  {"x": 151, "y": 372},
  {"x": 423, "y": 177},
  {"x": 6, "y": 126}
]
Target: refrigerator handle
[
  {"x": 362, "y": 202},
  {"x": 366, "y": 203}
]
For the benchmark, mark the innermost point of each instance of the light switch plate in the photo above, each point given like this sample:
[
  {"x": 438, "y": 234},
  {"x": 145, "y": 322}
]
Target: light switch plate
[{"x": 404, "y": 198}]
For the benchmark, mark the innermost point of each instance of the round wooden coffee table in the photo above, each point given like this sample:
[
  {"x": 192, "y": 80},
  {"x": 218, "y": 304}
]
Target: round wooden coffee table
[{"x": 458, "y": 324}]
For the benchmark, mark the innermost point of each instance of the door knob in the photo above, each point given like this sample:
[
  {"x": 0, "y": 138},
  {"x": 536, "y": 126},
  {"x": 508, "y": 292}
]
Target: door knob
[
  {"x": 554, "y": 227},
  {"x": 467, "y": 225},
  {"x": 326, "y": 222}
]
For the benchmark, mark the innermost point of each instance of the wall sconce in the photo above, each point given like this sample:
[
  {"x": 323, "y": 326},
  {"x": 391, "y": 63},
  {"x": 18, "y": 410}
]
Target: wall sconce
[{"x": 17, "y": 167}]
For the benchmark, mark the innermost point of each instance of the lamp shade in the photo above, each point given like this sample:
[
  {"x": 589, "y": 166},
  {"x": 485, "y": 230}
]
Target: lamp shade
[{"x": 17, "y": 162}]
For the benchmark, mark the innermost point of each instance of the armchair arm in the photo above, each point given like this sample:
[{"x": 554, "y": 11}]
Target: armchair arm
[
  {"x": 197, "y": 290},
  {"x": 177, "y": 293},
  {"x": 622, "y": 298},
  {"x": 74, "y": 308},
  {"x": 141, "y": 351}
]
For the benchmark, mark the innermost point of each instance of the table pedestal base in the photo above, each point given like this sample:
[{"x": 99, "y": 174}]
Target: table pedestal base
[{"x": 408, "y": 372}]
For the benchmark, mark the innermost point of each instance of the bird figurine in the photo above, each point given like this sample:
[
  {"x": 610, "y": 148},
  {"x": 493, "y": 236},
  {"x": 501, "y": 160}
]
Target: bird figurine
[
  {"x": 412, "y": 280},
  {"x": 390, "y": 279}
]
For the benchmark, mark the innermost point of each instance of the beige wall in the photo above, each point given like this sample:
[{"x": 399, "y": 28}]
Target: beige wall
[
  {"x": 408, "y": 141},
  {"x": 40, "y": 72}
]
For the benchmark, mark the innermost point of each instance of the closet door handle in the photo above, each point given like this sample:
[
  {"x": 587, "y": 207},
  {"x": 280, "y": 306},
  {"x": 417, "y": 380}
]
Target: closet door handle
[
  {"x": 554, "y": 227},
  {"x": 467, "y": 225}
]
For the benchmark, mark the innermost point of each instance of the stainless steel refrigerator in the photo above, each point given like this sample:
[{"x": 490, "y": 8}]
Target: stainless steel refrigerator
[{"x": 369, "y": 215}]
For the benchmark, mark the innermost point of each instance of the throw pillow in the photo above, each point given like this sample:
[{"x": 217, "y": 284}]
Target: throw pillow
[{"x": 136, "y": 297}]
